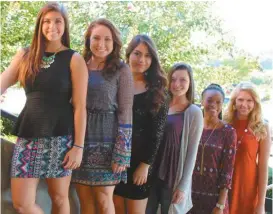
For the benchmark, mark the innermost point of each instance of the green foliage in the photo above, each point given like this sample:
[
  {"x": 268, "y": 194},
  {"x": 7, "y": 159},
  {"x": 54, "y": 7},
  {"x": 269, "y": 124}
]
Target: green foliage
[
  {"x": 257, "y": 80},
  {"x": 172, "y": 25},
  {"x": 6, "y": 127},
  {"x": 270, "y": 176}
]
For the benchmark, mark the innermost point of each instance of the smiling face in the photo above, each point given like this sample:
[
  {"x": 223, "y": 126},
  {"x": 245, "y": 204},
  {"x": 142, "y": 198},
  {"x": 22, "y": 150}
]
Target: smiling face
[
  {"x": 180, "y": 82},
  {"x": 101, "y": 42},
  {"x": 140, "y": 59},
  {"x": 212, "y": 102},
  {"x": 53, "y": 26},
  {"x": 244, "y": 103}
]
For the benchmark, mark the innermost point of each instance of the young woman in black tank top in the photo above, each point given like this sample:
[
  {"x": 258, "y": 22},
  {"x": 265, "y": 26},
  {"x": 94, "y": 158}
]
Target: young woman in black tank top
[{"x": 51, "y": 127}]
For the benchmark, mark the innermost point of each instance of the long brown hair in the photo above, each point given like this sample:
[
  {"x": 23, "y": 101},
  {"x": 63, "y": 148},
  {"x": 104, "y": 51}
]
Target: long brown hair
[
  {"x": 113, "y": 61},
  {"x": 183, "y": 66},
  {"x": 30, "y": 64},
  {"x": 156, "y": 81}
]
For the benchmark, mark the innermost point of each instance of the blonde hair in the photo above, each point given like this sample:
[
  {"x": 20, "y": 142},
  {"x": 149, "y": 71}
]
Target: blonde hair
[{"x": 255, "y": 120}]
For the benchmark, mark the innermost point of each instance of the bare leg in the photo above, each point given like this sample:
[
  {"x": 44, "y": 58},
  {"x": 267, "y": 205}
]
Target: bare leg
[
  {"x": 119, "y": 203},
  {"x": 136, "y": 206},
  {"x": 87, "y": 200},
  {"x": 23, "y": 192},
  {"x": 104, "y": 199},
  {"x": 58, "y": 189}
]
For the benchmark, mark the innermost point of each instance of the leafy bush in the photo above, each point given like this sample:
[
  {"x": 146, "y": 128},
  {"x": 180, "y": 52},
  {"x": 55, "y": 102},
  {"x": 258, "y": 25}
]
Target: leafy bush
[
  {"x": 6, "y": 127},
  {"x": 269, "y": 192}
]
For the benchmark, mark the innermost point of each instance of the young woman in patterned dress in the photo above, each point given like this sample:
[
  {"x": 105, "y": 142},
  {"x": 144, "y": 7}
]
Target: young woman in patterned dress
[
  {"x": 51, "y": 75},
  {"x": 212, "y": 175},
  {"x": 149, "y": 116},
  {"x": 251, "y": 164},
  {"x": 107, "y": 147}
]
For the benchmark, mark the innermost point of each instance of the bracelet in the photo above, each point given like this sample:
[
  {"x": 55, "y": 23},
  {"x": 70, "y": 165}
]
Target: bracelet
[
  {"x": 78, "y": 146},
  {"x": 220, "y": 206}
]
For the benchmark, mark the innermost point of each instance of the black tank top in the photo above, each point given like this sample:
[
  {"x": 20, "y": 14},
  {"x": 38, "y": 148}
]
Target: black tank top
[{"x": 48, "y": 111}]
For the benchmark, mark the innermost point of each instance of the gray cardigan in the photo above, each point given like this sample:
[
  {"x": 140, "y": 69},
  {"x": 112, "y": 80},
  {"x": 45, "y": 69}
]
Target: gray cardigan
[{"x": 192, "y": 131}]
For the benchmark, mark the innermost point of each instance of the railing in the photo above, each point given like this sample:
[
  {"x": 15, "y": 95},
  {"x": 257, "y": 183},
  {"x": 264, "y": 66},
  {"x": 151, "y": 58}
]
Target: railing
[
  {"x": 8, "y": 115},
  {"x": 13, "y": 118}
]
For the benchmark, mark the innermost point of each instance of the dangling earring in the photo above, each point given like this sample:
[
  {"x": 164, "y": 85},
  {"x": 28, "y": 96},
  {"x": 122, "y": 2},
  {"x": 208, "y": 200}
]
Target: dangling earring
[
  {"x": 146, "y": 73},
  {"x": 234, "y": 107}
]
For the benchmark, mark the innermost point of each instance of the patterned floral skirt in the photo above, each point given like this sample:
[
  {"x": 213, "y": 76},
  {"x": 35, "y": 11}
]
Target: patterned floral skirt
[
  {"x": 96, "y": 168},
  {"x": 40, "y": 157}
]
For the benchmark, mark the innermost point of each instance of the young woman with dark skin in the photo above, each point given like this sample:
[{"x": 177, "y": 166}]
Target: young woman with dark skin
[{"x": 212, "y": 176}]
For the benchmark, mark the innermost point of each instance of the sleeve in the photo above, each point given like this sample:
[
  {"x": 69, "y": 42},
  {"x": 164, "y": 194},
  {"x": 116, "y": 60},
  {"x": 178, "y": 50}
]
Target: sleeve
[
  {"x": 228, "y": 159},
  {"x": 122, "y": 149},
  {"x": 195, "y": 133},
  {"x": 158, "y": 124}
]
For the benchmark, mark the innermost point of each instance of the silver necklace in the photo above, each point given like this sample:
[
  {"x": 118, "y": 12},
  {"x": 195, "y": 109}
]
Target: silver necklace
[{"x": 47, "y": 61}]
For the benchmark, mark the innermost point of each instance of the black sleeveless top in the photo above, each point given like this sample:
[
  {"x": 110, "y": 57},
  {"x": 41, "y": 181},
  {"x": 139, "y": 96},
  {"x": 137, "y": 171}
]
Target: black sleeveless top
[{"x": 48, "y": 111}]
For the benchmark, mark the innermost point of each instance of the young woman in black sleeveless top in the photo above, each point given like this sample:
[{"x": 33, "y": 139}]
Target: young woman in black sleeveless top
[{"x": 51, "y": 126}]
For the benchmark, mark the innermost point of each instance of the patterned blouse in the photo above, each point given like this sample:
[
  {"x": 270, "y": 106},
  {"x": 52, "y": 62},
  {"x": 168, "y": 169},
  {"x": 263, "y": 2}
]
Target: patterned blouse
[{"x": 214, "y": 168}]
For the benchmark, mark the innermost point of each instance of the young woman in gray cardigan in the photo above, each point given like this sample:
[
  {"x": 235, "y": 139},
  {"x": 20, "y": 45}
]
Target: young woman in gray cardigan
[{"x": 177, "y": 154}]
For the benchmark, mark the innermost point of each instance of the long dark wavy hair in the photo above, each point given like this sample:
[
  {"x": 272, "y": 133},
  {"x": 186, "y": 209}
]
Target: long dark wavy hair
[
  {"x": 156, "y": 81},
  {"x": 31, "y": 62},
  {"x": 113, "y": 61}
]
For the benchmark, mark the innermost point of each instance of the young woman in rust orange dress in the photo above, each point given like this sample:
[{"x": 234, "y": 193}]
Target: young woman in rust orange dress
[{"x": 251, "y": 162}]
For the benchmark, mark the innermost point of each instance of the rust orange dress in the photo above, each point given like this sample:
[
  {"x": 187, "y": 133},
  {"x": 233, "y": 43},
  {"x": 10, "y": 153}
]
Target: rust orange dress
[{"x": 244, "y": 192}]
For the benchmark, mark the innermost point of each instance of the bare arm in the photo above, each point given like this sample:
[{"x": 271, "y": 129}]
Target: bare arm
[
  {"x": 79, "y": 76},
  {"x": 10, "y": 76},
  {"x": 264, "y": 151},
  {"x": 221, "y": 200}
]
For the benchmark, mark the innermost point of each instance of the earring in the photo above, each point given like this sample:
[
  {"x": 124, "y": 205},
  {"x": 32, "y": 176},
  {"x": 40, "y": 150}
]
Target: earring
[
  {"x": 202, "y": 107},
  {"x": 234, "y": 107}
]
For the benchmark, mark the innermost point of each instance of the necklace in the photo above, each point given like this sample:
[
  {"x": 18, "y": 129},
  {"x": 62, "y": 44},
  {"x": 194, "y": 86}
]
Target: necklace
[
  {"x": 245, "y": 132},
  {"x": 203, "y": 149},
  {"x": 47, "y": 61}
]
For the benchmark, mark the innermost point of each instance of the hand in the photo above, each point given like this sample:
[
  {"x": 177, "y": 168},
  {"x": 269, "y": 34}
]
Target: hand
[
  {"x": 73, "y": 158},
  {"x": 178, "y": 196},
  {"x": 216, "y": 210},
  {"x": 141, "y": 174},
  {"x": 117, "y": 168},
  {"x": 259, "y": 209}
]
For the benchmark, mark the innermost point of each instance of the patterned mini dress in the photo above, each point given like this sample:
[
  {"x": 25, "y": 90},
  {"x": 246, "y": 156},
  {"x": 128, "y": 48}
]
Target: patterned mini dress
[
  {"x": 45, "y": 125},
  {"x": 109, "y": 128}
]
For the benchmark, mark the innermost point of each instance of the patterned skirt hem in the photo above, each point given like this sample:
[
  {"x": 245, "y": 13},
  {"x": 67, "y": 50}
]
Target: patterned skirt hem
[
  {"x": 40, "y": 157},
  {"x": 90, "y": 183},
  {"x": 69, "y": 173}
]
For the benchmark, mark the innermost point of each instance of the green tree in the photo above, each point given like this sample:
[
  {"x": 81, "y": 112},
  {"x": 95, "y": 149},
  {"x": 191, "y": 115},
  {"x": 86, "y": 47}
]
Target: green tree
[{"x": 172, "y": 25}]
